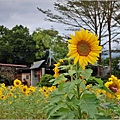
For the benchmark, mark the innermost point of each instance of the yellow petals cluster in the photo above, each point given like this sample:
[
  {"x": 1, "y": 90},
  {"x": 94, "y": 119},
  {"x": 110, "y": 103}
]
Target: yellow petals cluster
[
  {"x": 113, "y": 84},
  {"x": 22, "y": 90},
  {"x": 46, "y": 90},
  {"x": 17, "y": 83},
  {"x": 84, "y": 48},
  {"x": 56, "y": 69}
]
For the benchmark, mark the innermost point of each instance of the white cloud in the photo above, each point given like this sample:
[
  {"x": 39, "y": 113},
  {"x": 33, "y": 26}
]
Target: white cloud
[{"x": 25, "y": 12}]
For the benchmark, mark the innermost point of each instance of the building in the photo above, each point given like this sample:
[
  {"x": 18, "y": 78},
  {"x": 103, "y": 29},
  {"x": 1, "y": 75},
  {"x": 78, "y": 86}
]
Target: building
[
  {"x": 37, "y": 70},
  {"x": 8, "y": 72},
  {"x": 23, "y": 74}
]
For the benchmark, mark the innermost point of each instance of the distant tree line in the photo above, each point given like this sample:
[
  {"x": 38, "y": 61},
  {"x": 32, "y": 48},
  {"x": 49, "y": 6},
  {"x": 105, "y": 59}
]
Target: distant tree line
[{"x": 18, "y": 46}]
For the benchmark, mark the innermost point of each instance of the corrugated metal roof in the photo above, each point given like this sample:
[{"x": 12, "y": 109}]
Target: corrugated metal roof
[{"x": 37, "y": 64}]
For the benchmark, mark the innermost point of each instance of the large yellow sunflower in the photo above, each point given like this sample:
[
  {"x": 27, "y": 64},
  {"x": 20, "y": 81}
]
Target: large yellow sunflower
[
  {"x": 84, "y": 47},
  {"x": 17, "y": 83}
]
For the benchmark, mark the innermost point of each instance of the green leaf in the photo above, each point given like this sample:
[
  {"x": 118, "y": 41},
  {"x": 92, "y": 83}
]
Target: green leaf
[
  {"x": 86, "y": 73},
  {"x": 63, "y": 113},
  {"x": 82, "y": 85},
  {"x": 64, "y": 67},
  {"x": 71, "y": 72},
  {"x": 52, "y": 80},
  {"x": 98, "y": 80},
  {"x": 69, "y": 87},
  {"x": 60, "y": 86},
  {"x": 89, "y": 104},
  {"x": 59, "y": 78},
  {"x": 55, "y": 98},
  {"x": 52, "y": 109},
  {"x": 70, "y": 95},
  {"x": 107, "y": 105},
  {"x": 73, "y": 102},
  {"x": 103, "y": 117}
]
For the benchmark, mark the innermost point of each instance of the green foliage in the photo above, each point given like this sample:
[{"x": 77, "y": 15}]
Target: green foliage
[
  {"x": 45, "y": 80},
  {"x": 16, "y": 45},
  {"x": 46, "y": 39},
  {"x": 21, "y": 106},
  {"x": 68, "y": 101},
  {"x": 115, "y": 70}
]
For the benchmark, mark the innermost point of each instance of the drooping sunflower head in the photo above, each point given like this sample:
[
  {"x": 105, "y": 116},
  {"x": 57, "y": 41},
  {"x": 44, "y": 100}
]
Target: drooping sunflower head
[
  {"x": 17, "y": 83},
  {"x": 113, "y": 84},
  {"x": 56, "y": 70},
  {"x": 84, "y": 48}
]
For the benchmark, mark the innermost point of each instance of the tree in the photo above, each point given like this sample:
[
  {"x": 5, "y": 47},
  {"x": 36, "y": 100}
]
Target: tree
[
  {"x": 115, "y": 66},
  {"x": 88, "y": 14},
  {"x": 112, "y": 7},
  {"x": 5, "y": 48},
  {"x": 17, "y": 46},
  {"x": 49, "y": 39}
]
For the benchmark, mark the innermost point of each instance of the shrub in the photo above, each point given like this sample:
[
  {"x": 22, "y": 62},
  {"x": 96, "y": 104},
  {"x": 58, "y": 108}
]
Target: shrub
[{"x": 45, "y": 80}]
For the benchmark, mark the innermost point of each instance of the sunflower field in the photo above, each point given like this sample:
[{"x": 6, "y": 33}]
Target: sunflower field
[
  {"x": 22, "y": 102},
  {"x": 70, "y": 96}
]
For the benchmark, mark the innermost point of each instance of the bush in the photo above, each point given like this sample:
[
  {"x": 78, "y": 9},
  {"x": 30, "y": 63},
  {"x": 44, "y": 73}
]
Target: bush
[{"x": 45, "y": 80}]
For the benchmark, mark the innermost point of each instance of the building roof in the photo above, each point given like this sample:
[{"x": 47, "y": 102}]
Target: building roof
[
  {"x": 37, "y": 64},
  {"x": 13, "y": 65}
]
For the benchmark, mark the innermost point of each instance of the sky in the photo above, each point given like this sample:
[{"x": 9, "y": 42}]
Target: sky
[{"x": 25, "y": 12}]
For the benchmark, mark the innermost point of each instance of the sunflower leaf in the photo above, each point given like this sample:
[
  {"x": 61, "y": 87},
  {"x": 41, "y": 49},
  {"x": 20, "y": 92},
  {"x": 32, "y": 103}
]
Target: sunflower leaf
[
  {"x": 59, "y": 78},
  {"x": 89, "y": 104},
  {"x": 86, "y": 73}
]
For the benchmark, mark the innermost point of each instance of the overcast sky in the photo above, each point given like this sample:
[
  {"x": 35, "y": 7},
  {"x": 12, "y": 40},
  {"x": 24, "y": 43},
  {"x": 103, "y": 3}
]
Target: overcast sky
[{"x": 25, "y": 12}]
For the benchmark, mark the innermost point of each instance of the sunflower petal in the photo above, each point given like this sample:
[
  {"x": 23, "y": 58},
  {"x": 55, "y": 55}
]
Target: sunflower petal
[{"x": 76, "y": 59}]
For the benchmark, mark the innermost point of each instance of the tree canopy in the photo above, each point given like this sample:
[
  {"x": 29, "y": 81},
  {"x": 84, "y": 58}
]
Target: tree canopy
[
  {"x": 16, "y": 45},
  {"x": 49, "y": 39}
]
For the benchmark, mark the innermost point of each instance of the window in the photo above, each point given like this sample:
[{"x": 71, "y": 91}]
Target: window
[{"x": 27, "y": 76}]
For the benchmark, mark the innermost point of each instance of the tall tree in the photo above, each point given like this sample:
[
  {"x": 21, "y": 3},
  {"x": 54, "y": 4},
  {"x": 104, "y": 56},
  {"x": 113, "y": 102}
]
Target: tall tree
[
  {"x": 49, "y": 39},
  {"x": 88, "y": 14},
  {"x": 17, "y": 46},
  {"x": 5, "y": 48},
  {"x": 112, "y": 7}
]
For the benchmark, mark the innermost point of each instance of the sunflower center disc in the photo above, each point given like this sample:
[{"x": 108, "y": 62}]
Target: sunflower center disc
[
  {"x": 17, "y": 83},
  {"x": 113, "y": 88},
  {"x": 83, "y": 48}
]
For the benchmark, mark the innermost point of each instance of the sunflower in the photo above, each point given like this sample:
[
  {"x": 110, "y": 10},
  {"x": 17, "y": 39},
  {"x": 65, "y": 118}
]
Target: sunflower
[
  {"x": 84, "y": 47},
  {"x": 0, "y": 92},
  {"x": 114, "y": 86},
  {"x": 3, "y": 97},
  {"x": 17, "y": 83},
  {"x": 3, "y": 85},
  {"x": 32, "y": 88},
  {"x": 61, "y": 60},
  {"x": 25, "y": 89},
  {"x": 56, "y": 70}
]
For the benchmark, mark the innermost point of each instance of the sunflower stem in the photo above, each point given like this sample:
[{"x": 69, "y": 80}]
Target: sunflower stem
[
  {"x": 78, "y": 90},
  {"x": 79, "y": 110}
]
